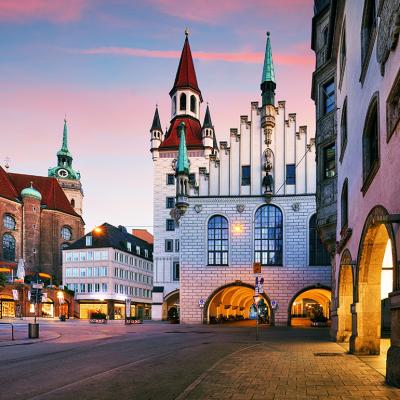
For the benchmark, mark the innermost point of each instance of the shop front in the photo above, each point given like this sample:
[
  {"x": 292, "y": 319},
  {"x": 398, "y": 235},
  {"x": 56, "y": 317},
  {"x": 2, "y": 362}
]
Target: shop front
[
  {"x": 7, "y": 307},
  {"x": 87, "y": 309}
]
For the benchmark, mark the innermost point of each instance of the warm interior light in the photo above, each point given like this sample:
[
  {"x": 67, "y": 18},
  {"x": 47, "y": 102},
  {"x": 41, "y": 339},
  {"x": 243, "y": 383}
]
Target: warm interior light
[
  {"x": 237, "y": 228},
  {"x": 60, "y": 295}
]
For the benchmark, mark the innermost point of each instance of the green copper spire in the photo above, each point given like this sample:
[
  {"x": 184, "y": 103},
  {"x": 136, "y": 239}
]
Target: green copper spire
[
  {"x": 268, "y": 83},
  {"x": 182, "y": 164},
  {"x": 64, "y": 148}
]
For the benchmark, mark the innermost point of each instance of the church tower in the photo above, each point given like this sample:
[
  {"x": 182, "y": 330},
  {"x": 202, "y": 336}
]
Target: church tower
[{"x": 68, "y": 178}]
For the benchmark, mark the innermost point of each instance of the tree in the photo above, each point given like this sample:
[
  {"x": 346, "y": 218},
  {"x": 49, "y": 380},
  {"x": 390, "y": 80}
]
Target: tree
[{"x": 3, "y": 281}]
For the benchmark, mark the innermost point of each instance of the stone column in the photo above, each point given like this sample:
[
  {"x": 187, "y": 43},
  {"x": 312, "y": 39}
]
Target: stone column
[{"x": 393, "y": 355}]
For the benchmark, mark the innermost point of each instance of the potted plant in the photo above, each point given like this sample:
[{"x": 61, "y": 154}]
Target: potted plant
[
  {"x": 318, "y": 319},
  {"x": 98, "y": 318},
  {"x": 173, "y": 315}
]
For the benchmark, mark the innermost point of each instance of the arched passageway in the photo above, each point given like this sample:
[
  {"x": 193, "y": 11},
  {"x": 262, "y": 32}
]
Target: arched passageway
[
  {"x": 171, "y": 300},
  {"x": 375, "y": 282},
  {"x": 345, "y": 298},
  {"x": 233, "y": 302},
  {"x": 310, "y": 304}
]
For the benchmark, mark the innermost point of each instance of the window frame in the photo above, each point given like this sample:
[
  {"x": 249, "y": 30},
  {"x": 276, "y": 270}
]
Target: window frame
[
  {"x": 176, "y": 271},
  {"x": 172, "y": 180},
  {"x": 66, "y": 228},
  {"x": 327, "y": 109},
  {"x": 291, "y": 177},
  {"x": 343, "y": 129},
  {"x": 169, "y": 246},
  {"x": 182, "y": 102},
  {"x": 344, "y": 206},
  {"x": 170, "y": 202},
  {"x": 14, "y": 222},
  {"x": 245, "y": 180},
  {"x": 325, "y": 161},
  {"x": 9, "y": 253},
  {"x": 219, "y": 257},
  {"x": 168, "y": 225},
  {"x": 313, "y": 257}
]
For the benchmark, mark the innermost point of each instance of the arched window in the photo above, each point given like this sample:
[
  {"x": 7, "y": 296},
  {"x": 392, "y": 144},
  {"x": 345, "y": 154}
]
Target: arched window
[
  {"x": 268, "y": 235},
  {"x": 371, "y": 142},
  {"x": 344, "y": 201},
  {"x": 193, "y": 104},
  {"x": 318, "y": 254},
  {"x": 218, "y": 241},
  {"x": 9, "y": 222},
  {"x": 73, "y": 202},
  {"x": 182, "y": 102},
  {"x": 367, "y": 28},
  {"x": 66, "y": 233},
  {"x": 8, "y": 247},
  {"x": 174, "y": 105},
  {"x": 343, "y": 129}
]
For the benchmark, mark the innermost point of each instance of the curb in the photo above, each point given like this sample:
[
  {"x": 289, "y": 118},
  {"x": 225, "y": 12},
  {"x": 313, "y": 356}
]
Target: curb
[{"x": 29, "y": 341}]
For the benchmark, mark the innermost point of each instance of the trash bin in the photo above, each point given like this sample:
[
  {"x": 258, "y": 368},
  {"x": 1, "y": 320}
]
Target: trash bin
[{"x": 33, "y": 331}]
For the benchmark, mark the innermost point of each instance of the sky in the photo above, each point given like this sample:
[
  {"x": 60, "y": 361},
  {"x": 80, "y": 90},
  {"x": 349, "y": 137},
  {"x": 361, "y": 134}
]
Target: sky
[{"x": 105, "y": 64}]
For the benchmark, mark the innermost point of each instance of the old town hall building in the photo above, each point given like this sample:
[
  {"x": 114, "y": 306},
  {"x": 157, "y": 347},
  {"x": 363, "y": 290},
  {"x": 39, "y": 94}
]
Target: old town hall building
[{"x": 219, "y": 208}]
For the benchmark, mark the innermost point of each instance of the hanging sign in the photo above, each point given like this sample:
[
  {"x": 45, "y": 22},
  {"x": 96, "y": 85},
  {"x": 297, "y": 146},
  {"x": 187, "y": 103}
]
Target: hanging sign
[{"x": 15, "y": 294}]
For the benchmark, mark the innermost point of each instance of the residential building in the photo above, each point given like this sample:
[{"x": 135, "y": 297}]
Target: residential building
[
  {"x": 234, "y": 206},
  {"x": 366, "y": 54},
  {"x": 109, "y": 268}
]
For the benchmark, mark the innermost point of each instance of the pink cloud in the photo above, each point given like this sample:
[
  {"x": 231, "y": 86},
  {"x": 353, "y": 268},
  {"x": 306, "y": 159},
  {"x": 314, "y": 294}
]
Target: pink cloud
[
  {"x": 51, "y": 10},
  {"x": 212, "y": 11},
  {"x": 236, "y": 57}
]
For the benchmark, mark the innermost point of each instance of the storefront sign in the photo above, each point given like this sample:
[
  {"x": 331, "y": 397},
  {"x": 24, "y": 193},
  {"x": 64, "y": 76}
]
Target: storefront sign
[{"x": 15, "y": 294}]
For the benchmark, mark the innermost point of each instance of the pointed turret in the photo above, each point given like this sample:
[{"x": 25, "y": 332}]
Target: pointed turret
[
  {"x": 64, "y": 151},
  {"x": 182, "y": 171},
  {"x": 208, "y": 134},
  {"x": 156, "y": 134},
  {"x": 268, "y": 84},
  {"x": 185, "y": 94}
]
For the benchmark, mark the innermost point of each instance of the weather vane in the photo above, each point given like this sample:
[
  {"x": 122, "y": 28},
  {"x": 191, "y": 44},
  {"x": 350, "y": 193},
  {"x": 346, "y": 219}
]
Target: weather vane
[{"x": 7, "y": 162}]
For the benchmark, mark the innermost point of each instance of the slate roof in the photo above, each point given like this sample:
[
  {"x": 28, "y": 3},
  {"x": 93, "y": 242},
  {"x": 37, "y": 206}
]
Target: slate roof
[{"x": 116, "y": 238}]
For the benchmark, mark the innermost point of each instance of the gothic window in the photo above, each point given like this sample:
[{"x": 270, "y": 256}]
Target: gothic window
[
  {"x": 246, "y": 177},
  {"x": 367, "y": 28},
  {"x": 344, "y": 205},
  {"x": 218, "y": 242},
  {"x": 290, "y": 174},
  {"x": 317, "y": 253},
  {"x": 9, "y": 222},
  {"x": 329, "y": 158},
  {"x": 193, "y": 104},
  {"x": 174, "y": 105},
  {"x": 66, "y": 233},
  {"x": 371, "y": 141},
  {"x": 268, "y": 235},
  {"x": 182, "y": 102},
  {"x": 343, "y": 129},
  {"x": 393, "y": 108},
  {"x": 328, "y": 96},
  {"x": 8, "y": 247}
]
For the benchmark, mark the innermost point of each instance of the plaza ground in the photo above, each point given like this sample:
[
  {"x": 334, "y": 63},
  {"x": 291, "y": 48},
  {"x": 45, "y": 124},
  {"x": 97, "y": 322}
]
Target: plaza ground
[{"x": 163, "y": 361}]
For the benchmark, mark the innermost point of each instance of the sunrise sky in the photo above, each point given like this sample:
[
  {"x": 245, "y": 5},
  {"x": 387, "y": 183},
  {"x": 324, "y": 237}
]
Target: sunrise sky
[{"x": 106, "y": 63}]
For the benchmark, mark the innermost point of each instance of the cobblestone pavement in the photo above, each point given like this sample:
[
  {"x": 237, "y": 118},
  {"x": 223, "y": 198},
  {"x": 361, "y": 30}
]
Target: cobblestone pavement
[{"x": 291, "y": 368}]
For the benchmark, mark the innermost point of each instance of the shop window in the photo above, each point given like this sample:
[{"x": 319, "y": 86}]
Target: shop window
[
  {"x": 317, "y": 252},
  {"x": 268, "y": 235},
  {"x": 218, "y": 240}
]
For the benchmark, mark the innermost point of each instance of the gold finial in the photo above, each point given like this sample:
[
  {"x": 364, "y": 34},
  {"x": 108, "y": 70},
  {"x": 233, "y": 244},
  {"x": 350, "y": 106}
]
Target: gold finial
[{"x": 187, "y": 32}]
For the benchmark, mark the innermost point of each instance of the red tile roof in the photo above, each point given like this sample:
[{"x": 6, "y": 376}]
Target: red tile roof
[
  {"x": 193, "y": 134},
  {"x": 186, "y": 75},
  {"x": 53, "y": 197}
]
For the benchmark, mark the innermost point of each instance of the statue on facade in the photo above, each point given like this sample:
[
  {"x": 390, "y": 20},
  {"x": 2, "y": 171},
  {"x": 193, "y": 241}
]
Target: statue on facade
[{"x": 268, "y": 183}]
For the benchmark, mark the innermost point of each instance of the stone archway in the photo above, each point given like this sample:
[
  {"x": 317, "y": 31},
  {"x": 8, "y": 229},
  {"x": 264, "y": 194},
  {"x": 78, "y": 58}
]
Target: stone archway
[
  {"x": 171, "y": 300},
  {"x": 376, "y": 247},
  {"x": 345, "y": 298},
  {"x": 233, "y": 299},
  {"x": 312, "y": 294}
]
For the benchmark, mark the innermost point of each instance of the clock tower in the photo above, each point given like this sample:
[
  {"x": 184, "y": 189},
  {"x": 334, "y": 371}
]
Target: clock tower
[{"x": 68, "y": 178}]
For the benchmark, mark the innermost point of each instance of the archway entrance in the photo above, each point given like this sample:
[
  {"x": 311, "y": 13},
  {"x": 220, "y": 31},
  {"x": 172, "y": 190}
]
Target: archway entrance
[
  {"x": 171, "y": 300},
  {"x": 375, "y": 282},
  {"x": 233, "y": 302},
  {"x": 310, "y": 304},
  {"x": 346, "y": 290}
]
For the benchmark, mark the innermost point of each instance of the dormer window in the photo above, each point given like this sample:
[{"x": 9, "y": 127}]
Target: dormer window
[
  {"x": 89, "y": 240},
  {"x": 138, "y": 250},
  {"x": 129, "y": 246}
]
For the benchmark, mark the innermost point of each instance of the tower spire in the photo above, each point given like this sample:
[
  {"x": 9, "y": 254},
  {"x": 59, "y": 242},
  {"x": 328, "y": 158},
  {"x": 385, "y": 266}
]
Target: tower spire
[
  {"x": 268, "y": 83},
  {"x": 156, "y": 125},
  {"x": 182, "y": 164},
  {"x": 64, "y": 147}
]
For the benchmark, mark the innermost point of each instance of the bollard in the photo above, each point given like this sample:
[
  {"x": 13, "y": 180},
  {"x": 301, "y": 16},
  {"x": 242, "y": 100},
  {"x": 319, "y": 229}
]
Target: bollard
[{"x": 33, "y": 331}]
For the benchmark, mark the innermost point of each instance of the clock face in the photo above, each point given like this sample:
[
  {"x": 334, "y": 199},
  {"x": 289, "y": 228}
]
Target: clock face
[{"x": 63, "y": 173}]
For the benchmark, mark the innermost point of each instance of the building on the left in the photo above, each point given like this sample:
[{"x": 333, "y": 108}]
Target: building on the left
[{"x": 38, "y": 219}]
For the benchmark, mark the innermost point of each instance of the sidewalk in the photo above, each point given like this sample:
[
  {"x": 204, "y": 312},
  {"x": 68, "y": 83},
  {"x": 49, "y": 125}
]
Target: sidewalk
[{"x": 291, "y": 369}]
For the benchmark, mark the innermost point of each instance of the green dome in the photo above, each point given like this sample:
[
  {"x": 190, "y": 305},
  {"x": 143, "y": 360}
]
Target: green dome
[{"x": 31, "y": 192}]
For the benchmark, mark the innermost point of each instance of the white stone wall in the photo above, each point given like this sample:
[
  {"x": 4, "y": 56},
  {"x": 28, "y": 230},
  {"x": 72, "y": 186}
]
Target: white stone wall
[{"x": 281, "y": 283}]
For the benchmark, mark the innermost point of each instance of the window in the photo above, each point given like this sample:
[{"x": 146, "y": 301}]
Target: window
[
  {"x": 218, "y": 242},
  {"x": 68, "y": 257},
  {"x": 9, "y": 222},
  {"x": 344, "y": 205},
  {"x": 82, "y": 288},
  {"x": 90, "y": 271},
  {"x": 146, "y": 253},
  {"x": 104, "y": 255},
  {"x": 325, "y": 36},
  {"x": 8, "y": 247},
  {"x": 367, "y": 28},
  {"x": 170, "y": 179},
  {"x": 97, "y": 287},
  {"x": 393, "y": 108},
  {"x": 328, "y": 97},
  {"x": 68, "y": 272},
  {"x": 129, "y": 246},
  {"x": 90, "y": 255},
  {"x": 66, "y": 233},
  {"x": 192, "y": 179},
  {"x": 82, "y": 273},
  {"x": 176, "y": 245},
  {"x": 73, "y": 203},
  {"x": 82, "y": 256},
  {"x": 246, "y": 175},
  {"x": 343, "y": 129},
  {"x": 182, "y": 102},
  {"x": 175, "y": 274},
  {"x": 343, "y": 51},
  {"x": 268, "y": 235},
  {"x": 174, "y": 105},
  {"x": 317, "y": 253},
  {"x": 104, "y": 287},
  {"x": 329, "y": 156},
  {"x": 290, "y": 174},
  {"x": 193, "y": 104},
  {"x": 169, "y": 245},
  {"x": 170, "y": 225},
  {"x": 75, "y": 272},
  {"x": 371, "y": 141},
  {"x": 170, "y": 202},
  {"x": 138, "y": 250}
]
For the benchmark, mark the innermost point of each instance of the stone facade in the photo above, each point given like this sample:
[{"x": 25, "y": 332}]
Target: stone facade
[{"x": 282, "y": 283}]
